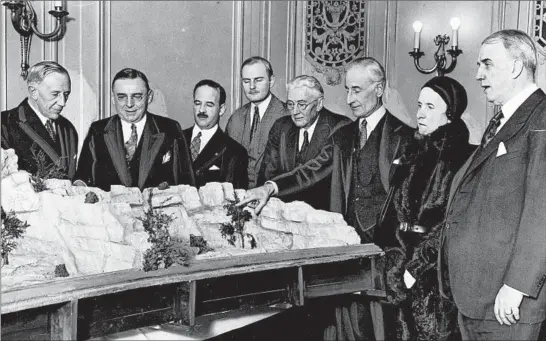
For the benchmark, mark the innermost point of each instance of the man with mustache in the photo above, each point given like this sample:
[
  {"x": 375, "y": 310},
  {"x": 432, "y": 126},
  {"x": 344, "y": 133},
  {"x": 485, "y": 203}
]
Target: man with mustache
[
  {"x": 216, "y": 157},
  {"x": 134, "y": 148},
  {"x": 250, "y": 124},
  {"x": 296, "y": 139},
  {"x": 45, "y": 142}
]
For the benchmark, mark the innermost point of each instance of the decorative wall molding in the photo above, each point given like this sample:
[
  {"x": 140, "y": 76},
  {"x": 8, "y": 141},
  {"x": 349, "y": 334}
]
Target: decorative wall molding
[
  {"x": 336, "y": 35},
  {"x": 265, "y": 29},
  {"x": 538, "y": 24},
  {"x": 4, "y": 60},
  {"x": 291, "y": 13},
  {"x": 104, "y": 58},
  {"x": 237, "y": 31}
]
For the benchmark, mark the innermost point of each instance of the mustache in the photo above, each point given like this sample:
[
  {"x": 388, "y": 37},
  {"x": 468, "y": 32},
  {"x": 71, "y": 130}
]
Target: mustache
[{"x": 201, "y": 115}]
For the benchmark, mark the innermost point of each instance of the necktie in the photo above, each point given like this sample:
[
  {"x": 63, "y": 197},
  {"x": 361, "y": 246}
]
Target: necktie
[
  {"x": 363, "y": 133},
  {"x": 255, "y": 122},
  {"x": 491, "y": 129},
  {"x": 305, "y": 142},
  {"x": 51, "y": 130},
  {"x": 195, "y": 146},
  {"x": 131, "y": 144}
]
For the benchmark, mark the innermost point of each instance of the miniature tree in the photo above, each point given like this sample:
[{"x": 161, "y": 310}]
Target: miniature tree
[
  {"x": 12, "y": 229},
  {"x": 236, "y": 227}
]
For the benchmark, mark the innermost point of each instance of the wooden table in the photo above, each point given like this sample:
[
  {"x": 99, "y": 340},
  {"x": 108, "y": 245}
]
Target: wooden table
[{"x": 90, "y": 306}]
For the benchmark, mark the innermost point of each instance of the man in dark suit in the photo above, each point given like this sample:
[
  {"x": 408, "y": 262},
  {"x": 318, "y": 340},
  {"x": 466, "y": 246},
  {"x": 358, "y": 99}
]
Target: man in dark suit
[
  {"x": 359, "y": 157},
  {"x": 296, "y": 139},
  {"x": 134, "y": 148},
  {"x": 216, "y": 157},
  {"x": 45, "y": 142},
  {"x": 250, "y": 124},
  {"x": 495, "y": 228}
]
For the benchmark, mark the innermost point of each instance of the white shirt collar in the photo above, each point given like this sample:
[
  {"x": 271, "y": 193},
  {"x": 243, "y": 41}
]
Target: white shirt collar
[
  {"x": 510, "y": 107},
  {"x": 38, "y": 113},
  {"x": 310, "y": 132},
  {"x": 262, "y": 107},
  {"x": 206, "y": 135},
  {"x": 126, "y": 128},
  {"x": 373, "y": 120}
]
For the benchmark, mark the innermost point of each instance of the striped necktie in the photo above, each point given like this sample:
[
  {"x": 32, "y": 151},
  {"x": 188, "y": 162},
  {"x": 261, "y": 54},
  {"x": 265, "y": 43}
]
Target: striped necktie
[
  {"x": 195, "y": 146},
  {"x": 255, "y": 122},
  {"x": 131, "y": 144},
  {"x": 491, "y": 129},
  {"x": 51, "y": 130}
]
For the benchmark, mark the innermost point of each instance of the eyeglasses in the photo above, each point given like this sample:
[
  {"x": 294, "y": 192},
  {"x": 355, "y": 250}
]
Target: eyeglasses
[{"x": 301, "y": 105}]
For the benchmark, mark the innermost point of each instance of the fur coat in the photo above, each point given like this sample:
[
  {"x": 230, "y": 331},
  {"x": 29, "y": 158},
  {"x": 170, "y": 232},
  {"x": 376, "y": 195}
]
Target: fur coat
[{"x": 422, "y": 183}]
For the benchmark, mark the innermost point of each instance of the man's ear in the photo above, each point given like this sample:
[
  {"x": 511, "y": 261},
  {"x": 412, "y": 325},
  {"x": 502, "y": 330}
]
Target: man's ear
[
  {"x": 517, "y": 68},
  {"x": 33, "y": 92},
  {"x": 150, "y": 96},
  {"x": 320, "y": 103},
  {"x": 379, "y": 90},
  {"x": 271, "y": 81},
  {"x": 222, "y": 109}
]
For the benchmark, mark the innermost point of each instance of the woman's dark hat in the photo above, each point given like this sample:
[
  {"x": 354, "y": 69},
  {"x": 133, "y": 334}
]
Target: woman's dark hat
[{"x": 453, "y": 94}]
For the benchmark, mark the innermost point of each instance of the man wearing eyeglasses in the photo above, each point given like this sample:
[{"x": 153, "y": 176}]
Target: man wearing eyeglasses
[
  {"x": 358, "y": 156},
  {"x": 296, "y": 139},
  {"x": 250, "y": 124},
  {"x": 134, "y": 148}
]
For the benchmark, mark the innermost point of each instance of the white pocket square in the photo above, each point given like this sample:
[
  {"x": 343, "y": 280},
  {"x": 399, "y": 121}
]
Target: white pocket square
[
  {"x": 214, "y": 167},
  {"x": 501, "y": 150},
  {"x": 167, "y": 157},
  {"x": 396, "y": 162}
]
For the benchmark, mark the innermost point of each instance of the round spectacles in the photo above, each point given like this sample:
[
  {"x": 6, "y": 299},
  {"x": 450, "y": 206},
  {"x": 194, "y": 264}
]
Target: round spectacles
[{"x": 301, "y": 105}]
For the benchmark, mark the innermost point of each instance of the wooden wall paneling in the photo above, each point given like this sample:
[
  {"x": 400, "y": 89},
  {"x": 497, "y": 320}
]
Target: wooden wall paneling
[
  {"x": 4, "y": 60},
  {"x": 104, "y": 58},
  {"x": 236, "y": 55}
]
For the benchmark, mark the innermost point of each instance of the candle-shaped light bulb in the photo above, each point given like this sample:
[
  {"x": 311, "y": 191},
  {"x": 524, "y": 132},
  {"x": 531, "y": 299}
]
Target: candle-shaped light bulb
[
  {"x": 417, "y": 27},
  {"x": 455, "y": 24},
  {"x": 58, "y": 4}
]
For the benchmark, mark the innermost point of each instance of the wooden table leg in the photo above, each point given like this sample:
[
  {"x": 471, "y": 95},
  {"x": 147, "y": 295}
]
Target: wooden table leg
[
  {"x": 64, "y": 322},
  {"x": 378, "y": 321}
]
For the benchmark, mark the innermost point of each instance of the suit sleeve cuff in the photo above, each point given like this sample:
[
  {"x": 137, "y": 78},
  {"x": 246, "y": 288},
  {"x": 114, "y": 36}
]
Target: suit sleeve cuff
[
  {"x": 275, "y": 187},
  {"x": 524, "y": 294}
]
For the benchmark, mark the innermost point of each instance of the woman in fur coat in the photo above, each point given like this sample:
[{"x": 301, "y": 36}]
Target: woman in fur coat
[{"x": 421, "y": 189}]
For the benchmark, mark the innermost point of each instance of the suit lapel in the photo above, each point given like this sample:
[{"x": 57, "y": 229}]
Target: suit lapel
[
  {"x": 388, "y": 147},
  {"x": 291, "y": 146},
  {"x": 67, "y": 140},
  {"x": 31, "y": 125},
  {"x": 152, "y": 140},
  {"x": 113, "y": 137},
  {"x": 210, "y": 151},
  {"x": 509, "y": 130},
  {"x": 322, "y": 131},
  {"x": 348, "y": 154}
]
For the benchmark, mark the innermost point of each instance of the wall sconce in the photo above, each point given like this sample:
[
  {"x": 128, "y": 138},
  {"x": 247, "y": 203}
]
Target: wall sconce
[
  {"x": 24, "y": 20},
  {"x": 441, "y": 67}
]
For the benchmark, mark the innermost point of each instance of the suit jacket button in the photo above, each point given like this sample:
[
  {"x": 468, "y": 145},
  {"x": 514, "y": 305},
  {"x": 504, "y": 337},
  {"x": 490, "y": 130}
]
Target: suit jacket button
[{"x": 448, "y": 225}]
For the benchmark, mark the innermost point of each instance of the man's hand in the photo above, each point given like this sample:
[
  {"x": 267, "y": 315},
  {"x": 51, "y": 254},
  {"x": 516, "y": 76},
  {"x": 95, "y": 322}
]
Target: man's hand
[
  {"x": 257, "y": 197},
  {"x": 507, "y": 305},
  {"x": 79, "y": 183}
]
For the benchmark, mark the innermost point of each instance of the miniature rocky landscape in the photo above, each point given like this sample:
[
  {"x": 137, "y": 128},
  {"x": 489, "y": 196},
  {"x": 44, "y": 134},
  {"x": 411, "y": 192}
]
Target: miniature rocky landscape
[{"x": 108, "y": 235}]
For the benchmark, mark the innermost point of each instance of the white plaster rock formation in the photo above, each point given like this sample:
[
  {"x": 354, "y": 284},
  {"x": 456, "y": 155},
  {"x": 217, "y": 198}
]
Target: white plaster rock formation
[{"x": 109, "y": 235}]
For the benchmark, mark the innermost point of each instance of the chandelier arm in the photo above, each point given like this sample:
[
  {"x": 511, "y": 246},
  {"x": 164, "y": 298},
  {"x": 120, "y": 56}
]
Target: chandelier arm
[
  {"x": 422, "y": 70},
  {"x": 33, "y": 22},
  {"x": 453, "y": 54}
]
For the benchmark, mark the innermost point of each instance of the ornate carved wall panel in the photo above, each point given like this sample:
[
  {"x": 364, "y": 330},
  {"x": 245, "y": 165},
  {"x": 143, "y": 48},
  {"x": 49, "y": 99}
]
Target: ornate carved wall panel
[
  {"x": 335, "y": 35},
  {"x": 539, "y": 31}
]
